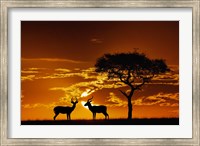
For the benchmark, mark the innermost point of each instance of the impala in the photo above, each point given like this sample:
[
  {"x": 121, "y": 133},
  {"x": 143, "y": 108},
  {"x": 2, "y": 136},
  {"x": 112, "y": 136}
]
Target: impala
[
  {"x": 97, "y": 109},
  {"x": 65, "y": 109}
]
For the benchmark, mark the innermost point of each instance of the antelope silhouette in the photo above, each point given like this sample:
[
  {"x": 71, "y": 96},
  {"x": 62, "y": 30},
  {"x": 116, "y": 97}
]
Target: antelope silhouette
[
  {"x": 97, "y": 109},
  {"x": 65, "y": 109}
]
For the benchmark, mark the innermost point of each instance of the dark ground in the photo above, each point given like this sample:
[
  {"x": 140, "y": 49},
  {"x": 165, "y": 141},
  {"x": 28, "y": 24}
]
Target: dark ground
[{"x": 152, "y": 121}]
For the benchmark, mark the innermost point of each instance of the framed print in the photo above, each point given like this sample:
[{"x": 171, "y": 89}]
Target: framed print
[{"x": 100, "y": 73}]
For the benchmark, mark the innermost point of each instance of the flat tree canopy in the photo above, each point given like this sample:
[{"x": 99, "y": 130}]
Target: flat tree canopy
[{"x": 133, "y": 69}]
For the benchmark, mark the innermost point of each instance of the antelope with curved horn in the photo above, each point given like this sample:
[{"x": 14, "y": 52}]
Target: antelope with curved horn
[
  {"x": 97, "y": 109},
  {"x": 65, "y": 109}
]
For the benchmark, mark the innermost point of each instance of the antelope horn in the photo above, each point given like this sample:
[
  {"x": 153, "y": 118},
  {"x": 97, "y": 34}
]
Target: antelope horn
[
  {"x": 72, "y": 99},
  {"x": 76, "y": 98},
  {"x": 89, "y": 100}
]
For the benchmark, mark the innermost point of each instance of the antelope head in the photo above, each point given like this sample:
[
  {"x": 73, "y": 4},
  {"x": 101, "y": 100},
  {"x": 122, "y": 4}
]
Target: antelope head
[
  {"x": 88, "y": 101},
  {"x": 74, "y": 102}
]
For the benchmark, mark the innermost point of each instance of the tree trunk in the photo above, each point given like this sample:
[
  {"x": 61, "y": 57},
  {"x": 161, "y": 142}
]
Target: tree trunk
[
  {"x": 129, "y": 108},
  {"x": 129, "y": 97}
]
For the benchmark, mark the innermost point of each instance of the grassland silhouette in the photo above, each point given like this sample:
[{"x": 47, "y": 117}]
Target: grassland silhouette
[{"x": 136, "y": 121}]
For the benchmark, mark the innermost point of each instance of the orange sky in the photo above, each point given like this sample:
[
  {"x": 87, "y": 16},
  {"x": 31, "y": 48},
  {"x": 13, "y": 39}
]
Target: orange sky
[{"x": 58, "y": 60}]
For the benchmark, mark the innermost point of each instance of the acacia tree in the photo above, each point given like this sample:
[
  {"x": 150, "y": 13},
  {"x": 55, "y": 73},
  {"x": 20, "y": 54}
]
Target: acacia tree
[{"x": 133, "y": 69}]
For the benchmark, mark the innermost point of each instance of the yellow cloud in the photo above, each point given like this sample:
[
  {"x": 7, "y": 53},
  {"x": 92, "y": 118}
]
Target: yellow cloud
[
  {"x": 70, "y": 92},
  {"x": 83, "y": 89},
  {"x": 28, "y": 77},
  {"x": 63, "y": 70},
  {"x": 168, "y": 78},
  {"x": 161, "y": 99},
  {"x": 64, "y": 101},
  {"x": 101, "y": 78},
  {"x": 49, "y": 106},
  {"x": 52, "y": 60},
  {"x": 113, "y": 100},
  {"x": 175, "y": 104},
  {"x": 65, "y": 73},
  {"x": 29, "y": 71},
  {"x": 33, "y": 68}
]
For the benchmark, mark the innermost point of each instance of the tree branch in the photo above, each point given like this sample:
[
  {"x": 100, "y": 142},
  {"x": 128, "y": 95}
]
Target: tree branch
[
  {"x": 144, "y": 80},
  {"x": 123, "y": 93},
  {"x": 121, "y": 79},
  {"x": 120, "y": 75},
  {"x": 129, "y": 75}
]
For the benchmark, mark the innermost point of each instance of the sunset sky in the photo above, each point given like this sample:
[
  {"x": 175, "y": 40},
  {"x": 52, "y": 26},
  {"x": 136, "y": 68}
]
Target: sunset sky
[{"x": 58, "y": 58}]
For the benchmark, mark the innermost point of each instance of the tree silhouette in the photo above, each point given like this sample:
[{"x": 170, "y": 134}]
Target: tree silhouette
[{"x": 133, "y": 69}]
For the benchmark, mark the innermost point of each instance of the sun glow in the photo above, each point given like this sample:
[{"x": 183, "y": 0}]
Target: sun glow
[
  {"x": 84, "y": 94},
  {"x": 83, "y": 103},
  {"x": 87, "y": 92}
]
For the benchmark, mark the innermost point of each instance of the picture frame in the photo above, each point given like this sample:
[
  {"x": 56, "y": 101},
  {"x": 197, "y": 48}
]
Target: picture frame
[{"x": 5, "y": 5}]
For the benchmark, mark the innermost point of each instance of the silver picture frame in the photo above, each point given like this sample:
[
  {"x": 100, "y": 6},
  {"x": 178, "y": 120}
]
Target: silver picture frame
[{"x": 6, "y": 4}]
